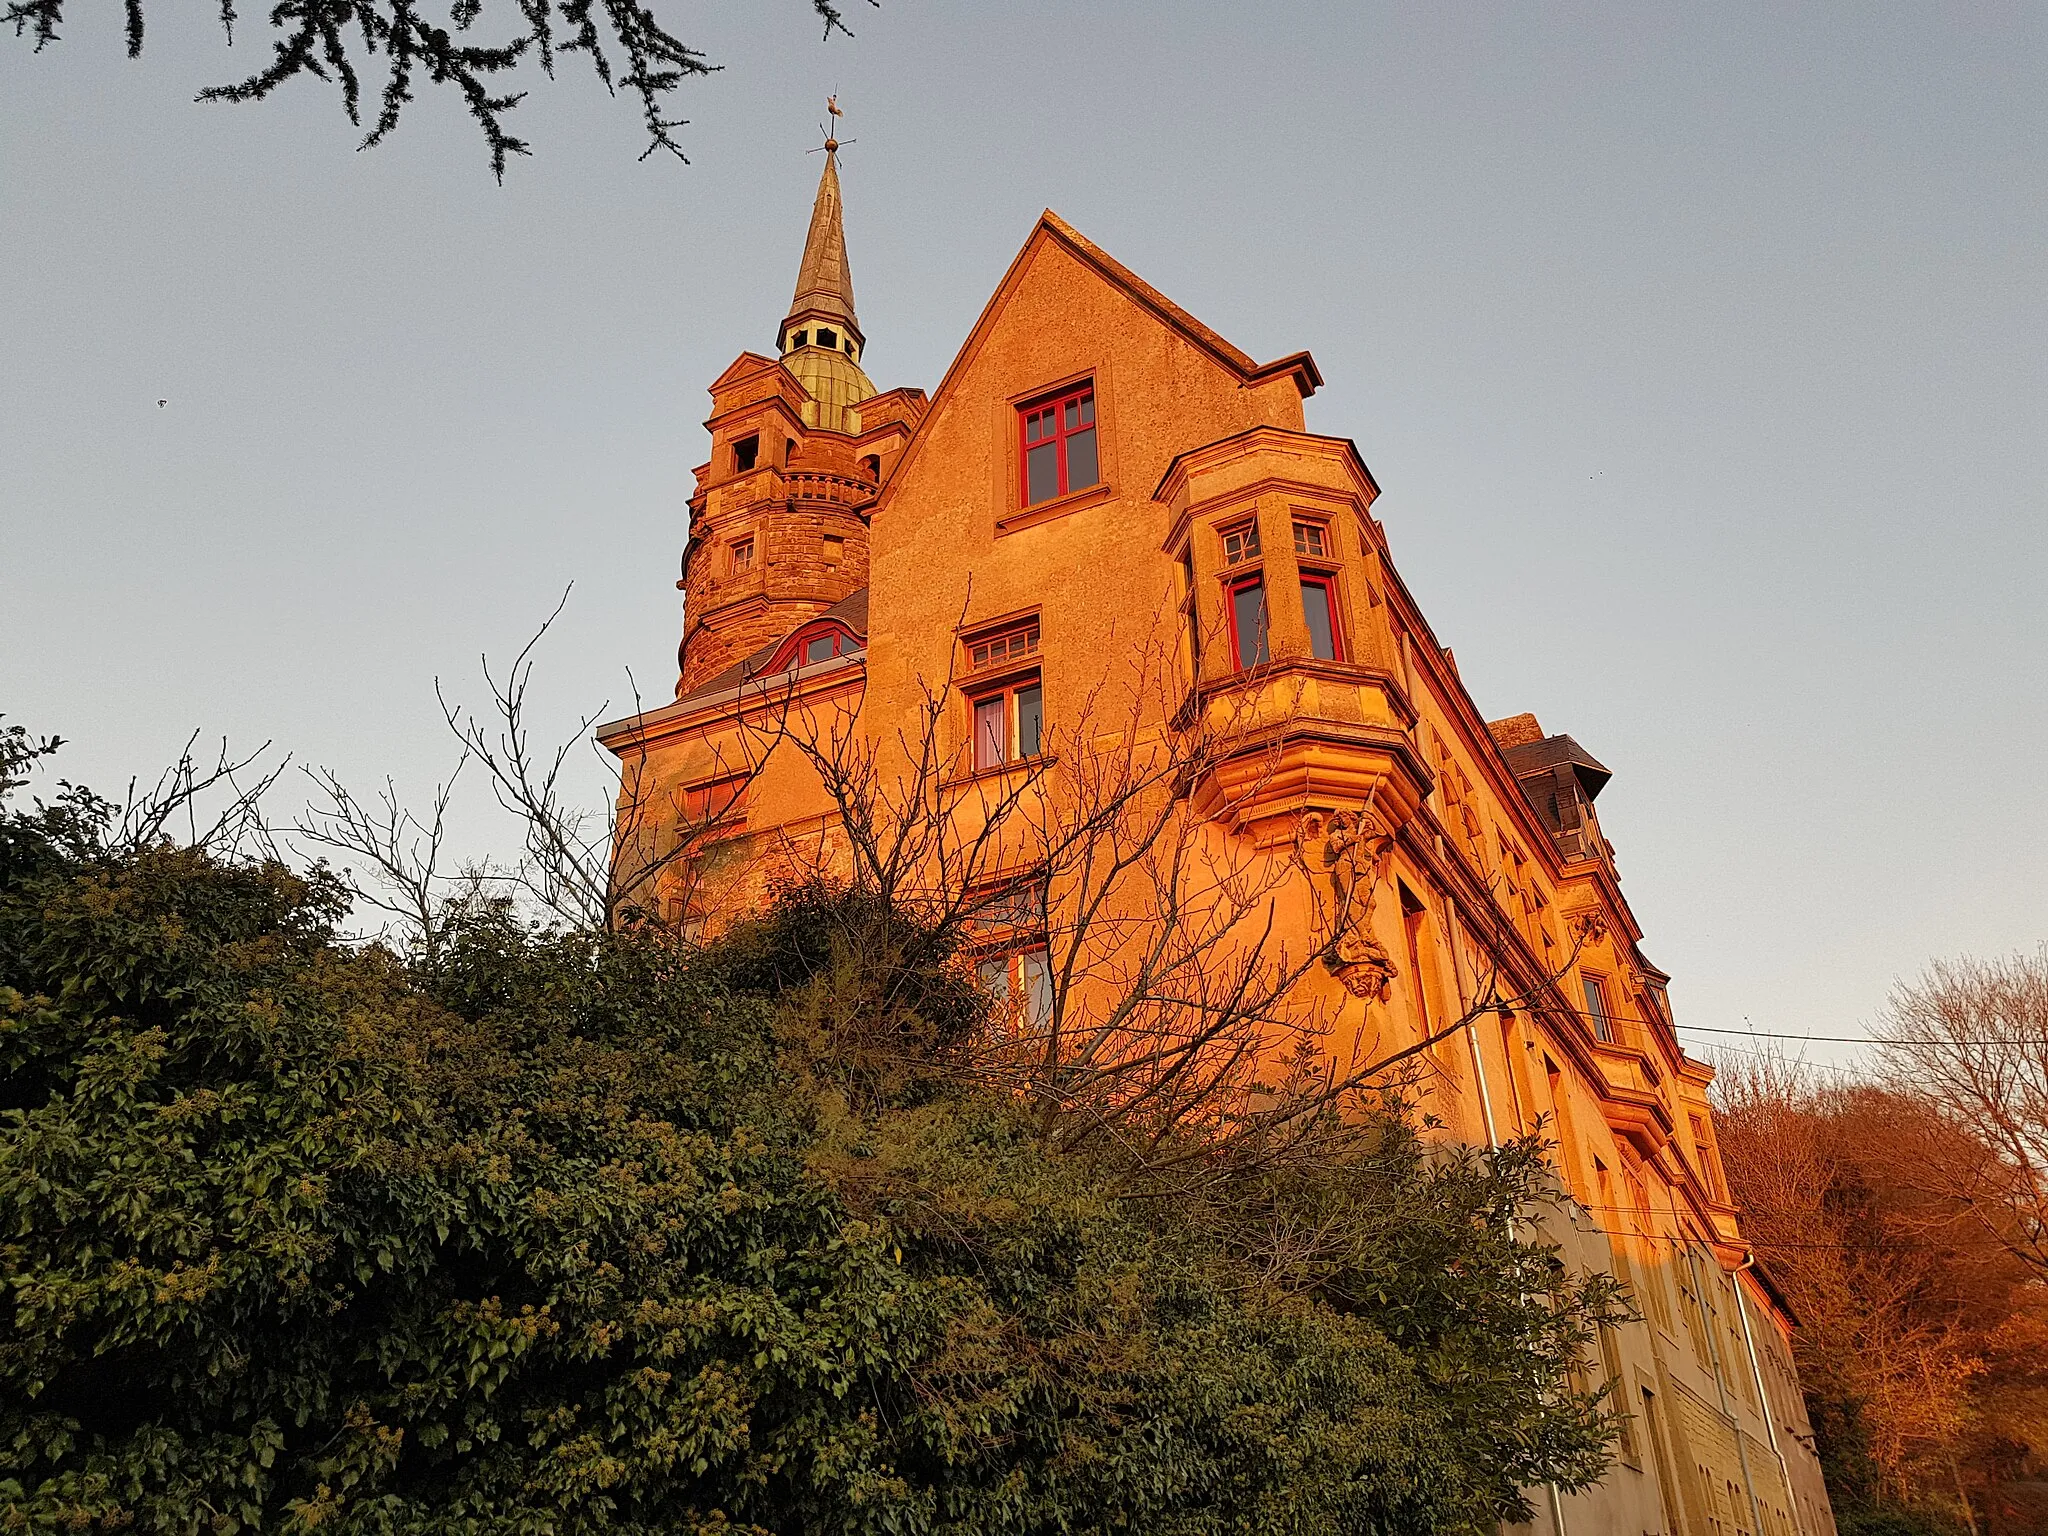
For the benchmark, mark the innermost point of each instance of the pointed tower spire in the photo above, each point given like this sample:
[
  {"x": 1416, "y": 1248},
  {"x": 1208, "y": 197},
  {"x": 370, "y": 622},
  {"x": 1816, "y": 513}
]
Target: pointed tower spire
[
  {"x": 821, "y": 340},
  {"x": 824, "y": 283}
]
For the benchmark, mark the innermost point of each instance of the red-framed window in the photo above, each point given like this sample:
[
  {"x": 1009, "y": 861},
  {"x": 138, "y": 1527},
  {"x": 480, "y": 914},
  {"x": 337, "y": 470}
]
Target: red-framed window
[
  {"x": 1059, "y": 451},
  {"x": 1007, "y": 723},
  {"x": 1250, "y": 639},
  {"x": 814, "y": 643},
  {"x": 1319, "y": 610}
]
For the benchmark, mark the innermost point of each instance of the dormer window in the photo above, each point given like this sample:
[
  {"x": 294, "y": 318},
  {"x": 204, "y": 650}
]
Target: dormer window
[
  {"x": 1059, "y": 445},
  {"x": 812, "y": 644}
]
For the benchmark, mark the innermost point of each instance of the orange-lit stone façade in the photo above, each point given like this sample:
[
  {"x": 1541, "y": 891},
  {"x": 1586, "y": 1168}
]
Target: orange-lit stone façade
[{"x": 1097, "y": 466}]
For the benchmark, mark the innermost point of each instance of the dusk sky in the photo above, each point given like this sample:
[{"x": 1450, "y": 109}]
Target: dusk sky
[{"x": 1702, "y": 354}]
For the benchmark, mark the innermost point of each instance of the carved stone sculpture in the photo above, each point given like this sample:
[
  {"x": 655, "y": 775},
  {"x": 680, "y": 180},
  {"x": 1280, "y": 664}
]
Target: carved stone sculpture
[{"x": 1344, "y": 854}]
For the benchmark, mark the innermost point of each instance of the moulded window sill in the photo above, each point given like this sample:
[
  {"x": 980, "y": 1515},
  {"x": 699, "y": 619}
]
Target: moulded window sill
[
  {"x": 1058, "y": 507},
  {"x": 973, "y": 776}
]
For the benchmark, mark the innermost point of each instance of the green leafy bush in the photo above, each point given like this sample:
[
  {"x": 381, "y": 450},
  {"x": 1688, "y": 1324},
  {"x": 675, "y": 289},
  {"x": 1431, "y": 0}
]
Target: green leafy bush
[{"x": 588, "y": 1233}]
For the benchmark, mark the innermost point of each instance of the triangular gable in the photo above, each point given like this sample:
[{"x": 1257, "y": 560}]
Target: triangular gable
[
  {"x": 741, "y": 368},
  {"x": 1052, "y": 229}
]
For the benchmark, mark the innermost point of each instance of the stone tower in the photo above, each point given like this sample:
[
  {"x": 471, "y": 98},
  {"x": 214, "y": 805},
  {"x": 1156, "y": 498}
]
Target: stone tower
[{"x": 801, "y": 444}]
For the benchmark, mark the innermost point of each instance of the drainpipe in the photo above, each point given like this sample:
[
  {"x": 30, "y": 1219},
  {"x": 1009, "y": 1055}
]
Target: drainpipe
[
  {"x": 1757, "y": 1371},
  {"x": 1756, "y": 1514},
  {"x": 1486, "y": 1117}
]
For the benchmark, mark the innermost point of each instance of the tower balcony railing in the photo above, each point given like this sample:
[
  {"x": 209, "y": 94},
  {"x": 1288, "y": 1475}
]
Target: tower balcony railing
[{"x": 816, "y": 485}]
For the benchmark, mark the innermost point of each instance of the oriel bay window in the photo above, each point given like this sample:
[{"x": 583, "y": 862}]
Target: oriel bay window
[{"x": 1059, "y": 444}]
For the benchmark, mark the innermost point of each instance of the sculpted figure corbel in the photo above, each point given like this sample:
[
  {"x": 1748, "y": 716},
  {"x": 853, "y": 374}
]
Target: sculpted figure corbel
[
  {"x": 1588, "y": 925},
  {"x": 1344, "y": 854}
]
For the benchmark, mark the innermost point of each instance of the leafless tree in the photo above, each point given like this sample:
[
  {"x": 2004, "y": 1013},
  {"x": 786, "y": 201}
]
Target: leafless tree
[
  {"x": 1971, "y": 1038},
  {"x": 1129, "y": 914}
]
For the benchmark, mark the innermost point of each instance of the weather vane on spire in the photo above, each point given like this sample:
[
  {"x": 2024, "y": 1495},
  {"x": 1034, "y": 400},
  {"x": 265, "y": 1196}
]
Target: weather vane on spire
[{"x": 832, "y": 142}]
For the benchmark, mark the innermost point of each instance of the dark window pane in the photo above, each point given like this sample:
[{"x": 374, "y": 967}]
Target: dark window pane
[
  {"x": 1087, "y": 409},
  {"x": 1042, "y": 473},
  {"x": 1315, "y": 607},
  {"x": 1248, "y": 609},
  {"x": 827, "y": 338},
  {"x": 1596, "y": 1010},
  {"x": 1081, "y": 467},
  {"x": 820, "y": 648},
  {"x": 1030, "y": 719}
]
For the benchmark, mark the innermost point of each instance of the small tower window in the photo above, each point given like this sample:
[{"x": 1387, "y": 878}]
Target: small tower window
[
  {"x": 873, "y": 465},
  {"x": 801, "y": 339},
  {"x": 832, "y": 548},
  {"x": 746, "y": 452},
  {"x": 849, "y": 346},
  {"x": 742, "y": 559},
  {"x": 827, "y": 338}
]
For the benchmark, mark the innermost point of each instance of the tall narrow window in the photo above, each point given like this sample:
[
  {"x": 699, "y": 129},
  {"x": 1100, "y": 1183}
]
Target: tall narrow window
[
  {"x": 1319, "y": 608},
  {"x": 1059, "y": 445},
  {"x": 991, "y": 732},
  {"x": 1189, "y": 609},
  {"x": 1413, "y": 917},
  {"x": 746, "y": 452},
  {"x": 742, "y": 559},
  {"x": 1596, "y": 1010},
  {"x": 1248, "y": 623}
]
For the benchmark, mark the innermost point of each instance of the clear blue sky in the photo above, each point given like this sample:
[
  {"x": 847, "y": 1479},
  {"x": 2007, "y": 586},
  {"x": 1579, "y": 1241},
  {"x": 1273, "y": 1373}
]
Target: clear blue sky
[{"x": 1700, "y": 351}]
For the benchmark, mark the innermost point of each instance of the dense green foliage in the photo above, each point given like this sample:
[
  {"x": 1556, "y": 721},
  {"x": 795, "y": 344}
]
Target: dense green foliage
[{"x": 578, "y": 1234}]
